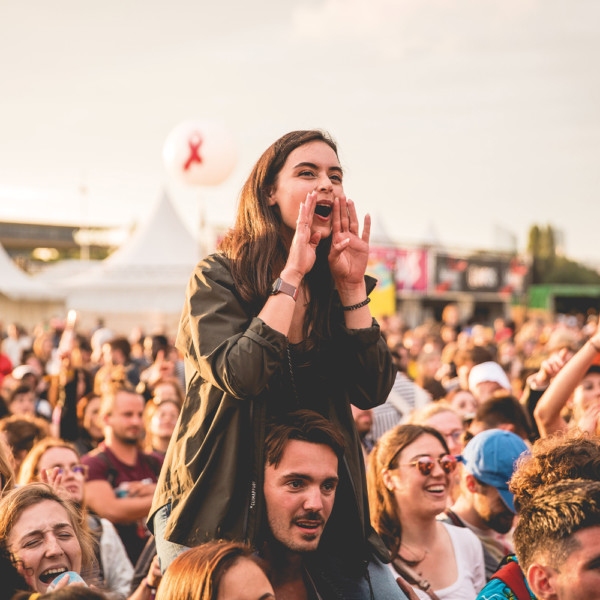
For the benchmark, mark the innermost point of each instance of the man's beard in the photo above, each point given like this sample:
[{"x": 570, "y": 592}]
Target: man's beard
[
  {"x": 129, "y": 440},
  {"x": 502, "y": 522}
]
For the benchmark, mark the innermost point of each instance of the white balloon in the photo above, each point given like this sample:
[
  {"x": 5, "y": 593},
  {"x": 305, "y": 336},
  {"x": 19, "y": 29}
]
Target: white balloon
[{"x": 200, "y": 153}]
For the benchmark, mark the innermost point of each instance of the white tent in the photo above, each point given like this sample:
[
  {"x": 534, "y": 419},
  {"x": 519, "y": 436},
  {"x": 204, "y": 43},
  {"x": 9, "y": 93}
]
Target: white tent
[
  {"x": 143, "y": 282},
  {"x": 24, "y": 299}
]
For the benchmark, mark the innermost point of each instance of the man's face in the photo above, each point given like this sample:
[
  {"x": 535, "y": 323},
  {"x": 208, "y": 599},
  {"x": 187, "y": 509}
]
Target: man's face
[
  {"x": 125, "y": 418},
  {"x": 485, "y": 390},
  {"x": 299, "y": 494},
  {"x": 579, "y": 575},
  {"x": 363, "y": 419},
  {"x": 491, "y": 508}
]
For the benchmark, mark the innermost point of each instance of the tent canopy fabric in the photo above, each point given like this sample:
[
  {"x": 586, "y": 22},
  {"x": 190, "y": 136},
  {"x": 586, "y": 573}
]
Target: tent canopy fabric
[
  {"x": 148, "y": 273},
  {"x": 15, "y": 284}
]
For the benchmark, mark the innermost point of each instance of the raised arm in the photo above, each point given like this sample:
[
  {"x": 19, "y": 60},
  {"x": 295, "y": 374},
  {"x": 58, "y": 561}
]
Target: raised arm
[{"x": 548, "y": 410}]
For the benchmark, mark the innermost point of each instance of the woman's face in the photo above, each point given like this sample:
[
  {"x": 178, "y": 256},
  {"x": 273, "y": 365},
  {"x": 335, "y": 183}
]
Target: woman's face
[
  {"x": 312, "y": 166},
  {"x": 91, "y": 421},
  {"x": 23, "y": 404},
  {"x": 451, "y": 427},
  {"x": 245, "y": 580},
  {"x": 73, "y": 478},
  {"x": 465, "y": 403},
  {"x": 164, "y": 420},
  {"x": 416, "y": 493},
  {"x": 586, "y": 395},
  {"x": 43, "y": 540}
]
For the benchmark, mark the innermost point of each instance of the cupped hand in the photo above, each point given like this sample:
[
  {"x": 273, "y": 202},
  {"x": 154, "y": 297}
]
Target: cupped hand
[
  {"x": 349, "y": 252},
  {"x": 303, "y": 249}
]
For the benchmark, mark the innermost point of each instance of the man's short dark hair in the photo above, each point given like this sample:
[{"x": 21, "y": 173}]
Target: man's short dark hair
[
  {"x": 302, "y": 425},
  {"x": 500, "y": 409},
  {"x": 550, "y": 519},
  {"x": 122, "y": 345}
]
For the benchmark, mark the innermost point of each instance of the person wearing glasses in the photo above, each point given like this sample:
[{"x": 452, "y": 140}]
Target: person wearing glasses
[
  {"x": 408, "y": 481},
  {"x": 57, "y": 463}
]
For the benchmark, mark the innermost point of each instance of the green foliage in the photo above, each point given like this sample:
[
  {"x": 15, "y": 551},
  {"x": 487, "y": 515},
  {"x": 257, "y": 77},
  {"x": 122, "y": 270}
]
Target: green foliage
[{"x": 547, "y": 267}]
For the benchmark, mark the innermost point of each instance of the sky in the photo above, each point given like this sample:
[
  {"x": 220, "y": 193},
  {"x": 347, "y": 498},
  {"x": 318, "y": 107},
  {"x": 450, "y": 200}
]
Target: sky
[{"x": 461, "y": 122}]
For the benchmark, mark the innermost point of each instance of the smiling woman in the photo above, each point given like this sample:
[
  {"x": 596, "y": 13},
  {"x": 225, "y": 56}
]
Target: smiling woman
[
  {"x": 408, "y": 479},
  {"x": 45, "y": 534}
]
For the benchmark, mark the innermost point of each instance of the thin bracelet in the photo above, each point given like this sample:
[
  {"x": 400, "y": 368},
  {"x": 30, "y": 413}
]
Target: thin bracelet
[
  {"x": 359, "y": 305},
  {"x": 150, "y": 587},
  {"x": 594, "y": 346}
]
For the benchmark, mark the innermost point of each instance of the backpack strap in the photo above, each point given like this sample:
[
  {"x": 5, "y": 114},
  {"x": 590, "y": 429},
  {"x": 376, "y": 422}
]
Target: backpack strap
[
  {"x": 112, "y": 473},
  {"x": 454, "y": 518},
  {"x": 512, "y": 575}
]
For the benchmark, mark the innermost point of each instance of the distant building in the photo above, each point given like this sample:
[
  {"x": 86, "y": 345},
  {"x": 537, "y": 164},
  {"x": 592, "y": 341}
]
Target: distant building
[{"x": 30, "y": 244}]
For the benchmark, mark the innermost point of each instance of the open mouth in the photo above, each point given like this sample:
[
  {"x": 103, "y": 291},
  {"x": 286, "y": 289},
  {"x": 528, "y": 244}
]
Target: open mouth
[
  {"x": 50, "y": 574},
  {"x": 436, "y": 489},
  {"x": 323, "y": 210}
]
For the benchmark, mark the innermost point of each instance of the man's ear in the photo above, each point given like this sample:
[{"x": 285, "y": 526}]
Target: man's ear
[
  {"x": 471, "y": 483},
  {"x": 541, "y": 580}
]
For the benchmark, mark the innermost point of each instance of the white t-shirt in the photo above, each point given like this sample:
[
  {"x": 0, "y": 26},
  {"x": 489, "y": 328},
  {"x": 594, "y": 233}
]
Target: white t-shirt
[{"x": 469, "y": 562}]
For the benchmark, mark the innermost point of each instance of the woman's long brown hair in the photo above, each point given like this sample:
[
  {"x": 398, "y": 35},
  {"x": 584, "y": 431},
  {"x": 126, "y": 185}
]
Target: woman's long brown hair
[{"x": 255, "y": 246}]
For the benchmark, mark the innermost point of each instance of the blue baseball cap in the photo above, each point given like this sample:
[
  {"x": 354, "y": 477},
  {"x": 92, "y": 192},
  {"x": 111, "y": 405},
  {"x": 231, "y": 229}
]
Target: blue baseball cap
[{"x": 491, "y": 456}]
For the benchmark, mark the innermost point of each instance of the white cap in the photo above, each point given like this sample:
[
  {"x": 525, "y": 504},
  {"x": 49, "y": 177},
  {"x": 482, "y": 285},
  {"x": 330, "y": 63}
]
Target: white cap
[{"x": 488, "y": 371}]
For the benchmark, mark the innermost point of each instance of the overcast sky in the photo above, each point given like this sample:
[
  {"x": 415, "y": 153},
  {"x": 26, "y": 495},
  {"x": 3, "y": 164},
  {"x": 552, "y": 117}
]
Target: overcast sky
[{"x": 456, "y": 119}]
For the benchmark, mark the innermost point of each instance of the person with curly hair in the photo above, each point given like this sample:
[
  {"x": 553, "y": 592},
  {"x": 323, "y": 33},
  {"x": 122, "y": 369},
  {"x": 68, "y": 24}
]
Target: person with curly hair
[{"x": 571, "y": 455}]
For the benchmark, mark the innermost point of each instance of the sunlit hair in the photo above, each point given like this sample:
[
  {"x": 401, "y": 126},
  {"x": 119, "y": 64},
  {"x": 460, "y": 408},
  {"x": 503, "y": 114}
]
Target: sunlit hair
[
  {"x": 304, "y": 426},
  {"x": 551, "y": 517},
  {"x": 22, "y": 432},
  {"x": 197, "y": 573},
  {"x": 7, "y": 473},
  {"x": 109, "y": 396},
  {"x": 174, "y": 383},
  {"x": 30, "y": 467},
  {"x": 571, "y": 455},
  {"x": 18, "y": 500},
  {"x": 82, "y": 405},
  {"x": 385, "y": 513},
  {"x": 421, "y": 416},
  {"x": 255, "y": 245}
]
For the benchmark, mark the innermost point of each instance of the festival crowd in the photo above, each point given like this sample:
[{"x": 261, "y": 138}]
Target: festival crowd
[{"x": 287, "y": 445}]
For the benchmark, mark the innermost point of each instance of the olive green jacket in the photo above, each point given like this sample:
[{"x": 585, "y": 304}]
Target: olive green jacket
[{"x": 238, "y": 374}]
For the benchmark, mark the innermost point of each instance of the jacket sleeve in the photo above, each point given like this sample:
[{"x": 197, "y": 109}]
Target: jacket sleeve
[
  {"x": 366, "y": 365},
  {"x": 221, "y": 340}
]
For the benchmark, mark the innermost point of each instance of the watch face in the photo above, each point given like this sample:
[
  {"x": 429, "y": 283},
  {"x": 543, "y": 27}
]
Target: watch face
[{"x": 276, "y": 285}]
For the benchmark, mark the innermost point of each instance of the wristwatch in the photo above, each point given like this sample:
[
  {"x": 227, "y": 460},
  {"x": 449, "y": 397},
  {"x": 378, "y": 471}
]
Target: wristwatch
[{"x": 281, "y": 287}]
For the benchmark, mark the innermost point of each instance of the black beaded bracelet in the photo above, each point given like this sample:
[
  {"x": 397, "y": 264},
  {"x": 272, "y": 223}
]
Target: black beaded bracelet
[{"x": 359, "y": 305}]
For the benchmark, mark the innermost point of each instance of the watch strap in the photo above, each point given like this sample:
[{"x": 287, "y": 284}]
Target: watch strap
[{"x": 282, "y": 287}]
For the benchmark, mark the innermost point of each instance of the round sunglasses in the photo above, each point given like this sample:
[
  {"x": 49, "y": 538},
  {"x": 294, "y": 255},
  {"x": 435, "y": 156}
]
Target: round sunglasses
[{"x": 425, "y": 464}]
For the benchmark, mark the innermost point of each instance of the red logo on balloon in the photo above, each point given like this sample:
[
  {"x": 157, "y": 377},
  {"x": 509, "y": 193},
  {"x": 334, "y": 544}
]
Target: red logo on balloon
[{"x": 194, "y": 143}]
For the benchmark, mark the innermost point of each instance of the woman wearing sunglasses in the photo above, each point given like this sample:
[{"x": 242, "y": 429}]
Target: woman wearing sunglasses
[{"x": 408, "y": 480}]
